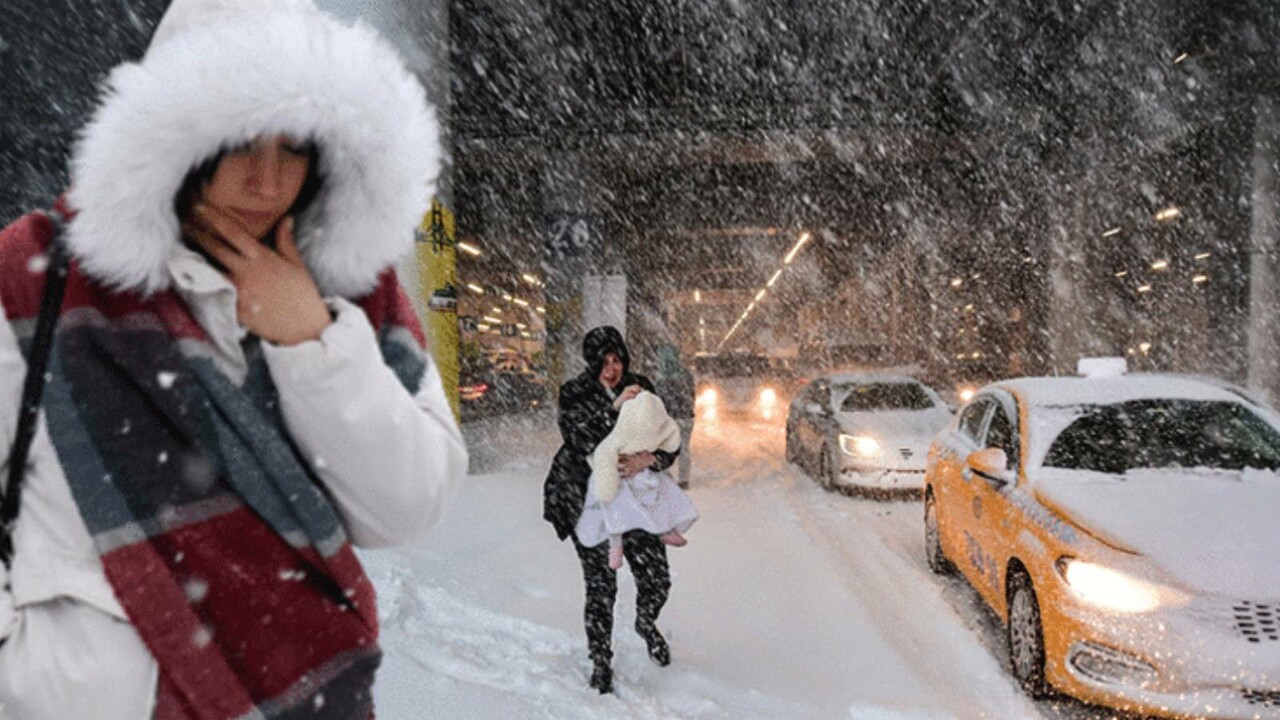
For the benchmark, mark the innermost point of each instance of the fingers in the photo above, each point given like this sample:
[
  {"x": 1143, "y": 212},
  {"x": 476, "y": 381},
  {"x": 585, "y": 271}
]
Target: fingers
[
  {"x": 285, "y": 243},
  {"x": 217, "y": 248},
  {"x": 227, "y": 228}
]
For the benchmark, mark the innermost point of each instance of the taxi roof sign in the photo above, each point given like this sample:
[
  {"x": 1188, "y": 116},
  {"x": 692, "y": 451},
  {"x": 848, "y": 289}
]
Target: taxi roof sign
[{"x": 1102, "y": 367}]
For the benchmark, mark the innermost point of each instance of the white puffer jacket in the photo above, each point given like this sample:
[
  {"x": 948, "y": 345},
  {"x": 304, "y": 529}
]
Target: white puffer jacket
[{"x": 218, "y": 73}]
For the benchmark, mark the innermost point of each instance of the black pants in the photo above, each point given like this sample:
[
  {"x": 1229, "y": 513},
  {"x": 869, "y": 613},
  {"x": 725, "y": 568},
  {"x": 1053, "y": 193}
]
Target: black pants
[{"x": 647, "y": 557}]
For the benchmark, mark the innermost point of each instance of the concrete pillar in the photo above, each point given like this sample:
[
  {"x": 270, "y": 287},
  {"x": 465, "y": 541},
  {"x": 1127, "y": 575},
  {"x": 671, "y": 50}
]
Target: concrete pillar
[
  {"x": 573, "y": 250},
  {"x": 1264, "y": 264}
]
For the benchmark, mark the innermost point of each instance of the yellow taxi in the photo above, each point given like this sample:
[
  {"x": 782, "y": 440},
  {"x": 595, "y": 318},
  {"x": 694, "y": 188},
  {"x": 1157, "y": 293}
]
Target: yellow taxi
[{"x": 1127, "y": 530}]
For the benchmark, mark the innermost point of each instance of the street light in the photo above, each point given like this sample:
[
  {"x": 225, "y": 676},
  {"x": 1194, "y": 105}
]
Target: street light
[{"x": 804, "y": 238}]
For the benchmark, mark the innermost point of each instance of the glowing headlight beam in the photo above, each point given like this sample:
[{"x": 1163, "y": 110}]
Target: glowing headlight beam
[
  {"x": 1109, "y": 589},
  {"x": 861, "y": 446}
]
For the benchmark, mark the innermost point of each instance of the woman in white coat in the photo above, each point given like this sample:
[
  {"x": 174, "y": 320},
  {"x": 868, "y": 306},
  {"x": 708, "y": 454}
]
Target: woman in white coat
[{"x": 238, "y": 389}]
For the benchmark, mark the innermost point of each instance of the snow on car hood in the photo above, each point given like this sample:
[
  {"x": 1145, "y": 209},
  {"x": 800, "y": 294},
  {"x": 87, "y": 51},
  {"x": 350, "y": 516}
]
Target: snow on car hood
[
  {"x": 914, "y": 426},
  {"x": 1215, "y": 531}
]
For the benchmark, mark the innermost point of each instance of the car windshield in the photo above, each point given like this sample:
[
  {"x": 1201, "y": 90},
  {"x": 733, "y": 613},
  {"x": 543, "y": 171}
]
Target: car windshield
[
  {"x": 727, "y": 366},
  {"x": 886, "y": 396},
  {"x": 1166, "y": 434}
]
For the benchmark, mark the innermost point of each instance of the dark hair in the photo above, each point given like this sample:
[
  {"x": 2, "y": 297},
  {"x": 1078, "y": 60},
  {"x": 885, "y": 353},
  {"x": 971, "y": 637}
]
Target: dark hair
[{"x": 193, "y": 184}]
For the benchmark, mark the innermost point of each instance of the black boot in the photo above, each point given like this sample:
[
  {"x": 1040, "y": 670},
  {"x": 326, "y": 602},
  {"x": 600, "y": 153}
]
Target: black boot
[
  {"x": 602, "y": 677},
  {"x": 659, "y": 653}
]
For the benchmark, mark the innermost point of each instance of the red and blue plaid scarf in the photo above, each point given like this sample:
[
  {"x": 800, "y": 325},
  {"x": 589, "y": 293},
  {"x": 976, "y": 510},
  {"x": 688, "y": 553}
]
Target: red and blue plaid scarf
[{"x": 217, "y": 538}]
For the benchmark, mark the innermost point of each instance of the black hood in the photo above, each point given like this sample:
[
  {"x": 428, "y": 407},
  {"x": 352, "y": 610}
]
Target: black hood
[{"x": 601, "y": 341}]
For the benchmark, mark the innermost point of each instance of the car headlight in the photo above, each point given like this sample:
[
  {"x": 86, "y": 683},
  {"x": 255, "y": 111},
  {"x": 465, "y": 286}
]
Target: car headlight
[
  {"x": 768, "y": 397},
  {"x": 708, "y": 396},
  {"x": 861, "y": 446},
  {"x": 1113, "y": 590},
  {"x": 967, "y": 393}
]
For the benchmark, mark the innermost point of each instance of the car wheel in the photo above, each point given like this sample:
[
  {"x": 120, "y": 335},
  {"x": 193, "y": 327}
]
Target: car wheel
[
  {"x": 938, "y": 561},
  {"x": 1025, "y": 636}
]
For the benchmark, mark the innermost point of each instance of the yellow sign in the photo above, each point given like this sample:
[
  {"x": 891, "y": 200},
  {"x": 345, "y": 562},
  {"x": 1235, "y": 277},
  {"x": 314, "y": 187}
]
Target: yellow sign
[{"x": 438, "y": 277}]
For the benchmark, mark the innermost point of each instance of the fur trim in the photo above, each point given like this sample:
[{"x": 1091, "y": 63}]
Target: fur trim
[
  {"x": 643, "y": 426},
  {"x": 208, "y": 87}
]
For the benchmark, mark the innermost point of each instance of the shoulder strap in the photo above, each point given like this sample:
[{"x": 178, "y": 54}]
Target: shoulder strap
[{"x": 55, "y": 284}]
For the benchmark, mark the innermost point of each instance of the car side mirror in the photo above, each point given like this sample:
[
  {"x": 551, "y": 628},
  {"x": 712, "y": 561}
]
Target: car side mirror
[{"x": 991, "y": 465}]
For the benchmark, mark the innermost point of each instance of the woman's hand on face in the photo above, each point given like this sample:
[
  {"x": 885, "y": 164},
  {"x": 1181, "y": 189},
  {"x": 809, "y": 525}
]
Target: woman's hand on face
[
  {"x": 630, "y": 465},
  {"x": 277, "y": 299},
  {"x": 629, "y": 394}
]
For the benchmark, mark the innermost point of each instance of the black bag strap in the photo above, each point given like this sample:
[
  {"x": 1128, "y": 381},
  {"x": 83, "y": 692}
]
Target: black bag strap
[{"x": 55, "y": 285}]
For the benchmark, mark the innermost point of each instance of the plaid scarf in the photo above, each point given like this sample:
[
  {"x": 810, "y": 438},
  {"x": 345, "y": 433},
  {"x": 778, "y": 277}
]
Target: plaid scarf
[{"x": 217, "y": 538}]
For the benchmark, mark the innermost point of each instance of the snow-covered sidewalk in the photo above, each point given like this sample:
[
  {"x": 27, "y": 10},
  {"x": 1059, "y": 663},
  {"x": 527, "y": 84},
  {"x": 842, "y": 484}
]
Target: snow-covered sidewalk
[{"x": 788, "y": 603}]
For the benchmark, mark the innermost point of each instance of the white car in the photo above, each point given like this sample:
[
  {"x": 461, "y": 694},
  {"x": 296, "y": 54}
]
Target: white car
[{"x": 865, "y": 432}]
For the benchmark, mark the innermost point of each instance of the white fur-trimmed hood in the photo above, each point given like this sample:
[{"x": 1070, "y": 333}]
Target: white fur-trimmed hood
[{"x": 287, "y": 70}]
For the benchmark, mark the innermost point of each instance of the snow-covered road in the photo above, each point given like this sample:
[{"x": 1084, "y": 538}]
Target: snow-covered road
[{"x": 788, "y": 602}]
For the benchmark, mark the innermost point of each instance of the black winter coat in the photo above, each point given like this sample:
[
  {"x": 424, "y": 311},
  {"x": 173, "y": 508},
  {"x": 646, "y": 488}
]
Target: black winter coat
[{"x": 586, "y": 417}]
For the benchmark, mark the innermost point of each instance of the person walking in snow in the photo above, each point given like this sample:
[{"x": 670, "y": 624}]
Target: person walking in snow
[
  {"x": 676, "y": 387},
  {"x": 238, "y": 390},
  {"x": 588, "y": 410},
  {"x": 649, "y": 500}
]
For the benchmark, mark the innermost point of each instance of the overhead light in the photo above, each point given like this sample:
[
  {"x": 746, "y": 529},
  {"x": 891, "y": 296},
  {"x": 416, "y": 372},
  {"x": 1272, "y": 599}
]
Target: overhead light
[
  {"x": 760, "y": 295},
  {"x": 1111, "y": 233},
  {"x": 468, "y": 248},
  {"x": 1178, "y": 60},
  {"x": 1204, "y": 256},
  {"x": 492, "y": 320},
  {"x": 475, "y": 288},
  {"x": 968, "y": 308},
  {"x": 521, "y": 302},
  {"x": 775, "y": 277},
  {"x": 976, "y": 355},
  {"x": 506, "y": 296},
  {"x": 497, "y": 310},
  {"x": 1160, "y": 265},
  {"x": 1144, "y": 288},
  {"x": 804, "y": 238},
  {"x": 542, "y": 310},
  {"x": 1173, "y": 212},
  {"x": 977, "y": 276},
  {"x": 697, "y": 296},
  {"x": 531, "y": 279},
  {"x": 702, "y": 321},
  {"x": 1144, "y": 347},
  {"x": 1122, "y": 273},
  {"x": 525, "y": 335},
  {"x": 1200, "y": 279},
  {"x": 481, "y": 327},
  {"x": 522, "y": 326},
  {"x": 957, "y": 282},
  {"x": 1028, "y": 259}
]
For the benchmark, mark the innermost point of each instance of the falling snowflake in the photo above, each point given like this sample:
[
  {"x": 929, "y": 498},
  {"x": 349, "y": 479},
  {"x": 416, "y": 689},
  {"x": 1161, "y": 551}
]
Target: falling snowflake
[{"x": 196, "y": 589}]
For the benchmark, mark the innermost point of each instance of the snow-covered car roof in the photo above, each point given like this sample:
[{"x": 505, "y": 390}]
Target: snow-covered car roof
[
  {"x": 866, "y": 378},
  {"x": 1072, "y": 391}
]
